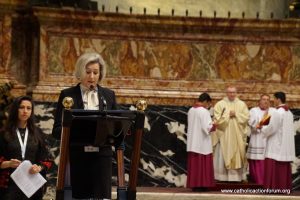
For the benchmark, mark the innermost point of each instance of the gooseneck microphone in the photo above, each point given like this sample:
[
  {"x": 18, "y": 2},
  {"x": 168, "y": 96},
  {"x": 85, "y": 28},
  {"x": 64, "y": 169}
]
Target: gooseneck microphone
[
  {"x": 92, "y": 87},
  {"x": 104, "y": 103}
]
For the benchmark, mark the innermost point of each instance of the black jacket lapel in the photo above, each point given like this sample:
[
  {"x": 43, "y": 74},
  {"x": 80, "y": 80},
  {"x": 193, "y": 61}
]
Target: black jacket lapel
[
  {"x": 78, "y": 97},
  {"x": 100, "y": 97}
]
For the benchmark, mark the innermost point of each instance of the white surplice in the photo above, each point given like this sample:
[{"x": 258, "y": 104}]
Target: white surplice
[
  {"x": 257, "y": 143},
  {"x": 198, "y": 134},
  {"x": 280, "y": 136}
]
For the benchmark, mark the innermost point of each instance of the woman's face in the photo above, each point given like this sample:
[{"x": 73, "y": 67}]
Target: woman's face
[
  {"x": 25, "y": 110},
  {"x": 92, "y": 74}
]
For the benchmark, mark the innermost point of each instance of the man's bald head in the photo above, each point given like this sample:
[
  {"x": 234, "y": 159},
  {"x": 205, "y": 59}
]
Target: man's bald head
[{"x": 231, "y": 93}]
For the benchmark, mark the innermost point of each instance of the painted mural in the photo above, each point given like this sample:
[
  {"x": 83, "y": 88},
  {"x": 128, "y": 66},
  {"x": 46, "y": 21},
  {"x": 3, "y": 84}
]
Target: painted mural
[{"x": 188, "y": 61}]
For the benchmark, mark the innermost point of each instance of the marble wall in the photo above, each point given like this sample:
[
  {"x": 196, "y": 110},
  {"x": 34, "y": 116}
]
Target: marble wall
[
  {"x": 7, "y": 12},
  {"x": 180, "y": 61},
  {"x": 163, "y": 149},
  {"x": 167, "y": 60}
]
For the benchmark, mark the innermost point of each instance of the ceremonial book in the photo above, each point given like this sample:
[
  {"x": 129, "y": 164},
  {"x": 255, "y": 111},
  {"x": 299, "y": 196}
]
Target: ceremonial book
[{"x": 264, "y": 121}]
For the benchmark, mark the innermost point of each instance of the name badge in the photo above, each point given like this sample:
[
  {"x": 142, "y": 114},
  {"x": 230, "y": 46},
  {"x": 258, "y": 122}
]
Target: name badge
[{"x": 91, "y": 149}]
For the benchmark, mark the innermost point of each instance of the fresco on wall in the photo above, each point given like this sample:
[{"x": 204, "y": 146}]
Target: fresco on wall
[{"x": 180, "y": 60}]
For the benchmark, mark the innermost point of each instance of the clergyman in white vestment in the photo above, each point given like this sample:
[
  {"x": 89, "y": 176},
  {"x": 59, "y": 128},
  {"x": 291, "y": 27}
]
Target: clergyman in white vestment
[
  {"x": 231, "y": 115},
  {"x": 257, "y": 143}
]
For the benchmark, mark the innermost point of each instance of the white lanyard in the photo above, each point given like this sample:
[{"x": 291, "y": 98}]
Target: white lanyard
[{"x": 23, "y": 144}]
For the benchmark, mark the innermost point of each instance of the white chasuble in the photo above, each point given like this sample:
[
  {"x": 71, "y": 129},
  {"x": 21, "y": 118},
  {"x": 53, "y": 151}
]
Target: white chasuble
[{"x": 230, "y": 139}]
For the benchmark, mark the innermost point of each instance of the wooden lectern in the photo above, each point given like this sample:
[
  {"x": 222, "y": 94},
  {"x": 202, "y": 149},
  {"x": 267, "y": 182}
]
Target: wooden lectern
[{"x": 111, "y": 127}]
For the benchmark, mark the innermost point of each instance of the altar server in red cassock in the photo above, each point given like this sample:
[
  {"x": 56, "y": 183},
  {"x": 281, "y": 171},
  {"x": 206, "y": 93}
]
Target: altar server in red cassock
[
  {"x": 280, "y": 148},
  {"x": 199, "y": 145}
]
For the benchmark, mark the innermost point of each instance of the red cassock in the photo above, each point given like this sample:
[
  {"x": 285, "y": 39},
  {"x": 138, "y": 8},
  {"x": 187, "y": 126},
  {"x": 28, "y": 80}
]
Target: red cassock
[{"x": 200, "y": 170}]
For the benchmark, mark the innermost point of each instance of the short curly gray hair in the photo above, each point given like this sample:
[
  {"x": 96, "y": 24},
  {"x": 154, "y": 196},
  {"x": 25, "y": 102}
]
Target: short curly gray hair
[{"x": 84, "y": 60}]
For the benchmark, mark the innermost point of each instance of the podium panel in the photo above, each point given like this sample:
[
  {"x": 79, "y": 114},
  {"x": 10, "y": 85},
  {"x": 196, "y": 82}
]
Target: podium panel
[
  {"x": 86, "y": 143},
  {"x": 100, "y": 128}
]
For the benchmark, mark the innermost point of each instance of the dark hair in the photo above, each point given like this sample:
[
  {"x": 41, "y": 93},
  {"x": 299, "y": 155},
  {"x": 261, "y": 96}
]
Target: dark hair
[
  {"x": 13, "y": 119},
  {"x": 280, "y": 95},
  {"x": 204, "y": 97}
]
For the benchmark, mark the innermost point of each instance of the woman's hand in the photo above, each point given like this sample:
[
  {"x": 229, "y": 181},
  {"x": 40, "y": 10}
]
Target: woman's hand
[
  {"x": 12, "y": 163},
  {"x": 35, "y": 169}
]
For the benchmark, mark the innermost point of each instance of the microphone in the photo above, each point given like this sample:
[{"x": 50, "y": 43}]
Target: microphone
[
  {"x": 104, "y": 103},
  {"x": 92, "y": 87}
]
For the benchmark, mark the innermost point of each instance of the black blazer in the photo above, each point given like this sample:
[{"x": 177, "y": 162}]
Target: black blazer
[
  {"x": 75, "y": 92},
  {"x": 95, "y": 182}
]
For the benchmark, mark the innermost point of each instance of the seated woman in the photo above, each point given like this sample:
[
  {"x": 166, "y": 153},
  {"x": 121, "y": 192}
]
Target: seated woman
[{"x": 21, "y": 140}]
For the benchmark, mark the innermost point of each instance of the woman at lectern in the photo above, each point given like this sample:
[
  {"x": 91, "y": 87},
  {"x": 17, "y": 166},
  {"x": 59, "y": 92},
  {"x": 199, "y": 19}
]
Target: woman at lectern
[
  {"x": 91, "y": 168},
  {"x": 21, "y": 140}
]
